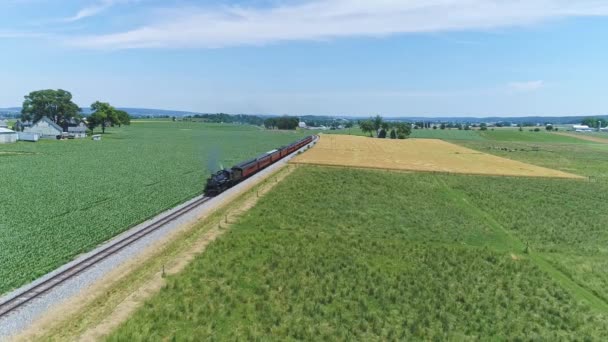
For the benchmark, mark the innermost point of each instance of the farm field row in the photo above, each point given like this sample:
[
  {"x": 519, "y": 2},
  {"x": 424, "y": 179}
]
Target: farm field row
[
  {"x": 589, "y": 160},
  {"x": 371, "y": 254},
  {"x": 416, "y": 155},
  {"x": 65, "y": 197}
]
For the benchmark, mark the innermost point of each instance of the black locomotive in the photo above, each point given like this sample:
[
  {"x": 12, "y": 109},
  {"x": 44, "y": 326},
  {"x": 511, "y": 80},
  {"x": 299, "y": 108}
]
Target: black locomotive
[{"x": 226, "y": 178}]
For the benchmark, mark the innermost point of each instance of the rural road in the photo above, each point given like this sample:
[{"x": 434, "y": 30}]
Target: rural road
[{"x": 22, "y": 318}]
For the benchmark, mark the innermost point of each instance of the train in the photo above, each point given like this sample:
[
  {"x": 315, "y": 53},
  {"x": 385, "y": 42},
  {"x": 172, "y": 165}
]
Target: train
[{"x": 224, "y": 179}]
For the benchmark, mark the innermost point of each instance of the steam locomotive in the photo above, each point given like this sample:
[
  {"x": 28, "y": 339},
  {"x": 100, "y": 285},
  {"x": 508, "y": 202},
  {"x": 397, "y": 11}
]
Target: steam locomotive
[{"x": 227, "y": 178}]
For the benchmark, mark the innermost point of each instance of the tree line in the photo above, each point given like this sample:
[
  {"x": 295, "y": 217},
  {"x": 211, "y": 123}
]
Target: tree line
[
  {"x": 283, "y": 122},
  {"x": 58, "y": 106},
  {"x": 383, "y": 129},
  {"x": 227, "y": 118}
]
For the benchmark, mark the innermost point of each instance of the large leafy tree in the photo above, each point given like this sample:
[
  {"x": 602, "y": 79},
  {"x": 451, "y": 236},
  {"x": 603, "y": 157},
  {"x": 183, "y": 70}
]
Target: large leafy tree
[
  {"x": 377, "y": 121},
  {"x": 57, "y": 105},
  {"x": 403, "y": 130},
  {"x": 367, "y": 126},
  {"x": 105, "y": 115},
  {"x": 123, "y": 118}
]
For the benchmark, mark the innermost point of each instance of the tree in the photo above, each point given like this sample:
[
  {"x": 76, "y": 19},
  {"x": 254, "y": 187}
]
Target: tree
[
  {"x": 284, "y": 122},
  {"x": 483, "y": 126},
  {"x": 57, "y": 105},
  {"x": 393, "y": 134},
  {"x": 124, "y": 118},
  {"x": 382, "y": 133},
  {"x": 442, "y": 126},
  {"x": 104, "y": 115},
  {"x": 270, "y": 123},
  {"x": 549, "y": 127},
  {"x": 591, "y": 122},
  {"x": 367, "y": 126},
  {"x": 403, "y": 130},
  {"x": 377, "y": 121}
]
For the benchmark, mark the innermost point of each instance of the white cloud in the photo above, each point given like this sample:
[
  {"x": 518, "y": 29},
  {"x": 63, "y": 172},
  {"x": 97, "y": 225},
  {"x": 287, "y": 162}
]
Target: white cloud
[
  {"x": 93, "y": 10},
  {"x": 216, "y": 27},
  {"x": 527, "y": 85}
]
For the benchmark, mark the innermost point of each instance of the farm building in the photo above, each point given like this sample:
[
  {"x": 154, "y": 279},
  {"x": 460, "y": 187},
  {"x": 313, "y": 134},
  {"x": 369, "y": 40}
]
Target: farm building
[
  {"x": 3, "y": 124},
  {"x": 7, "y": 136},
  {"x": 79, "y": 131},
  {"x": 23, "y": 136},
  {"x": 46, "y": 128},
  {"x": 582, "y": 128}
]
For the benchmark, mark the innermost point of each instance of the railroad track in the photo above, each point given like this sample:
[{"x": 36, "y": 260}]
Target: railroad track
[{"x": 27, "y": 296}]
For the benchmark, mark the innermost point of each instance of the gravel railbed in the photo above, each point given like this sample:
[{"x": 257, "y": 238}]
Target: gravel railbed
[{"x": 22, "y": 318}]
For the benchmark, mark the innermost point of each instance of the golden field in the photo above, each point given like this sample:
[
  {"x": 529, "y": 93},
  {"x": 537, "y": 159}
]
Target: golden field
[{"x": 430, "y": 155}]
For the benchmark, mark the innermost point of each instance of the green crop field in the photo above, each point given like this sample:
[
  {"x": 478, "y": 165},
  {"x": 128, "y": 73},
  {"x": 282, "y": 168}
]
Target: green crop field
[
  {"x": 527, "y": 136},
  {"x": 62, "y": 198},
  {"x": 447, "y": 134},
  {"x": 340, "y": 254}
]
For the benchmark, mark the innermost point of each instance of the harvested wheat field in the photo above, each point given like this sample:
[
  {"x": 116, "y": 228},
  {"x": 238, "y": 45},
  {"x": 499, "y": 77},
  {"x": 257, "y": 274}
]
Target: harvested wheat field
[{"x": 429, "y": 155}]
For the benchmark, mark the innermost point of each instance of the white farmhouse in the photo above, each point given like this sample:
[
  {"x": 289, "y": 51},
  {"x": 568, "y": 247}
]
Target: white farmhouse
[
  {"x": 7, "y": 136},
  {"x": 45, "y": 128},
  {"x": 3, "y": 124}
]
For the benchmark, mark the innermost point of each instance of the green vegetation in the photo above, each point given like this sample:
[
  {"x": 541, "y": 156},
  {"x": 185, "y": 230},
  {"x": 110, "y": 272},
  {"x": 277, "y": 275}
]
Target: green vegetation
[
  {"x": 398, "y": 130},
  {"x": 283, "y": 122},
  {"x": 57, "y": 105},
  {"x": 105, "y": 115},
  {"x": 396, "y": 256},
  {"x": 586, "y": 158},
  {"x": 448, "y": 134},
  {"x": 62, "y": 198},
  {"x": 527, "y": 136}
]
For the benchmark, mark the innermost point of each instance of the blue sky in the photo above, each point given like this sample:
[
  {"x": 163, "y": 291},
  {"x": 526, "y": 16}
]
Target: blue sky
[{"x": 342, "y": 57}]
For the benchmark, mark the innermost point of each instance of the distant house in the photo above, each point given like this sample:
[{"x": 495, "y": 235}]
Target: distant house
[
  {"x": 46, "y": 128},
  {"x": 3, "y": 124},
  {"x": 79, "y": 131},
  {"x": 7, "y": 136}
]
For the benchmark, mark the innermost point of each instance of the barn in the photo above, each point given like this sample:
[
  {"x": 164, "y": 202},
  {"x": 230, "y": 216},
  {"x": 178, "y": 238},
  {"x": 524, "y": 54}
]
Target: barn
[
  {"x": 79, "y": 131},
  {"x": 7, "y": 136},
  {"x": 46, "y": 128}
]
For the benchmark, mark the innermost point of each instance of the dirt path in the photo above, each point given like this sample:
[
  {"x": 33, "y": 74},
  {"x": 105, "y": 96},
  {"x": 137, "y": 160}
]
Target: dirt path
[
  {"x": 584, "y": 137},
  {"x": 96, "y": 313}
]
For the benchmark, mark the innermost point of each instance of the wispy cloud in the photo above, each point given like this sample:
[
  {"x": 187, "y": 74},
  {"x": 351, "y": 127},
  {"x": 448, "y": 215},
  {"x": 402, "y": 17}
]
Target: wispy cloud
[
  {"x": 93, "y": 10},
  {"x": 214, "y": 27},
  {"x": 527, "y": 85}
]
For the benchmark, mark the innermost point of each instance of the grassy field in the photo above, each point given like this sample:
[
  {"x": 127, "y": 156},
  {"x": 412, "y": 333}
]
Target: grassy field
[
  {"x": 61, "y": 198},
  {"x": 447, "y": 134},
  {"x": 527, "y": 136},
  {"x": 370, "y": 255}
]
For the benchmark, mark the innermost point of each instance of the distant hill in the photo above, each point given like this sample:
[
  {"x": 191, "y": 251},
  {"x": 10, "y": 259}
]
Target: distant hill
[{"x": 144, "y": 112}]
